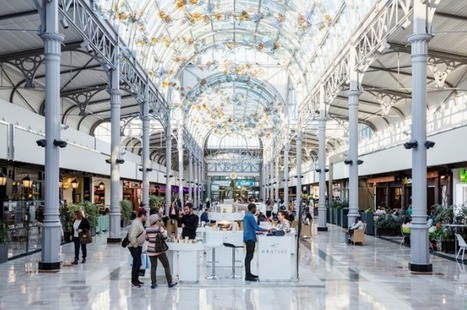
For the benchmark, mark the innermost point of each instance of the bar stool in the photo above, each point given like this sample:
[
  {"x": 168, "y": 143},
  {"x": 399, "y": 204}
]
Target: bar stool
[
  {"x": 233, "y": 247},
  {"x": 213, "y": 245}
]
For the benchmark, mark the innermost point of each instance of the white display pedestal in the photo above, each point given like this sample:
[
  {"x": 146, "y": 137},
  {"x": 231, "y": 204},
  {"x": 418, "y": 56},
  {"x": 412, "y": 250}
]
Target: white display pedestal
[
  {"x": 275, "y": 257},
  {"x": 186, "y": 260},
  {"x": 224, "y": 254},
  {"x": 225, "y": 216}
]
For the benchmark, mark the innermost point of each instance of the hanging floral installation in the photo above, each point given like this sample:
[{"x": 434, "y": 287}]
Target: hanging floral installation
[
  {"x": 202, "y": 12},
  {"x": 158, "y": 36}
]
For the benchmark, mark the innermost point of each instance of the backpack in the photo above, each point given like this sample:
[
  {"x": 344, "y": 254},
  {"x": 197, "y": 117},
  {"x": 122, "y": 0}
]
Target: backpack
[{"x": 126, "y": 240}]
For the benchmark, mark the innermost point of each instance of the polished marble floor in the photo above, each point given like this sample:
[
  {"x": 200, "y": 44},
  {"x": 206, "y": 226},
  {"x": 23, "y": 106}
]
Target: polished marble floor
[{"x": 331, "y": 276}]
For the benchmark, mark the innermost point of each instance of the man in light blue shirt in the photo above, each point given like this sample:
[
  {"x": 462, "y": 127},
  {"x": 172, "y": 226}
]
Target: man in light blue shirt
[{"x": 250, "y": 227}]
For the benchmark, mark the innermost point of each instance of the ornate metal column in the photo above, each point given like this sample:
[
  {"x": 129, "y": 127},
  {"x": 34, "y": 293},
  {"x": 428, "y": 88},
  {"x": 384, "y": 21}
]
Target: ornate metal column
[
  {"x": 52, "y": 49},
  {"x": 420, "y": 256},
  {"x": 195, "y": 183},
  {"x": 271, "y": 178},
  {"x": 180, "y": 162},
  {"x": 146, "y": 147},
  {"x": 277, "y": 181},
  {"x": 286, "y": 173},
  {"x": 322, "y": 163},
  {"x": 168, "y": 166},
  {"x": 353, "y": 94},
  {"x": 298, "y": 161},
  {"x": 115, "y": 186},
  {"x": 190, "y": 174}
]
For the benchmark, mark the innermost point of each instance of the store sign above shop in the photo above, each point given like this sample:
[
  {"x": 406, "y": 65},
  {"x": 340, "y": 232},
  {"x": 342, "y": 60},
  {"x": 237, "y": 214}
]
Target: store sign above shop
[
  {"x": 463, "y": 175},
  {"x": 243, "y": 183}
]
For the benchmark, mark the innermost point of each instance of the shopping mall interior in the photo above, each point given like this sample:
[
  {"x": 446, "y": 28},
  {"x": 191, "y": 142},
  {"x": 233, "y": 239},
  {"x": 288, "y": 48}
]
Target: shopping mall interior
[{"x": 334, "y": 110}]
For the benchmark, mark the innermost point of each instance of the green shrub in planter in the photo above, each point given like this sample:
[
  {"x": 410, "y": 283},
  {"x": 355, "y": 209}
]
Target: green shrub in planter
[
  {"x": 155, "y": 203},
  {"x": 126, "y": 210},
  {"x": 90, "y": 211}
]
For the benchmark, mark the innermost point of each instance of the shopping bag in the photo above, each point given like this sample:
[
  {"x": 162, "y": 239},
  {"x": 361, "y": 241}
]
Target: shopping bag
[{"x": 144, "y": 262}]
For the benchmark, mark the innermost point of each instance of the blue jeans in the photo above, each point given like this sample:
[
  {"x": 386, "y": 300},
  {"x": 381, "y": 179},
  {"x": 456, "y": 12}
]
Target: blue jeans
[
  {"x": 83, "y": 248},
  {"x": 136, "y": 254}
]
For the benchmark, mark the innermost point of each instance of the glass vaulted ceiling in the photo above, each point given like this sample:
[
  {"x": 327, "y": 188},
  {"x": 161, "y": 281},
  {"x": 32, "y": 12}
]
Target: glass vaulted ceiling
[{"x": 231, "y": 65}]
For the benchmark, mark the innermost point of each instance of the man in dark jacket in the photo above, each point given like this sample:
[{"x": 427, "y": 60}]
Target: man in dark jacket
[{"x": 189, "y": 222}]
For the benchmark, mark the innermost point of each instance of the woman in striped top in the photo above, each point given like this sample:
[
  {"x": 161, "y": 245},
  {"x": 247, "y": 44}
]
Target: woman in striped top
[{"x": 151, "y": 233}]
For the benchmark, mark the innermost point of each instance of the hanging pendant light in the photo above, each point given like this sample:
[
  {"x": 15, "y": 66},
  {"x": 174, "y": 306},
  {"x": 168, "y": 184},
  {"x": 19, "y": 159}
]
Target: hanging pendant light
[
  {"x": 74, "y": 183},
  {"x": 27, "y": 182},
  {"x": 60, "y": 183},
  {"x": 101, "y": 186},
  {"x": 3, "y": 179}
]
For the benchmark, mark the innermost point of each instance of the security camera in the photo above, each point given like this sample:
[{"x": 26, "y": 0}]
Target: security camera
[
  {"x": 64, "y": 23},
  {"x": 348, "y": 161},
  {"x": 411, "y": 145},
  {"x": 359, "y": 162},
  {"x": 60, "y": 143},
  {"x": 429, "y": 144},
  {"x": 120, "y": 161},
  {"x": 108, "y": 160},
  {"x": 41, "y": 142}
]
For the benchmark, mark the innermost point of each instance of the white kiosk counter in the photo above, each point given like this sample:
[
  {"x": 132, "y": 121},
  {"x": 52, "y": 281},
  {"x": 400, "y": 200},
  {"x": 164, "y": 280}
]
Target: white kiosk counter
[
  {"x": 185, "y": 258},
  {"x": 275, "y": 258}
]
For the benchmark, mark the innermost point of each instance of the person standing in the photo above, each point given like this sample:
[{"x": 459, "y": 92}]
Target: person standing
[
  {"x": 152, "y": 232},
  {"x": 189, "y": 222},
  {"x": 250, "y": 227},
  {"x": 80, "y": 225},
  {"x": 137, "y": 237},
  {"x": 284, "y": 223}
]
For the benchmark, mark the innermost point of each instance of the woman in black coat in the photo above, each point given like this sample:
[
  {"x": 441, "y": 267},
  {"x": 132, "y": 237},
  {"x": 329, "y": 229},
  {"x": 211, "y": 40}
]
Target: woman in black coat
[{"x": 80, "y": 225}]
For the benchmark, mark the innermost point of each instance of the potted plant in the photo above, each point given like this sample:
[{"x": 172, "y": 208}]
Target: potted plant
[
  {"x": 155, "y": 203},
  {"x": 91, "y": 212},
  {"x": 445, "y": 215},
  {"x": 3, "y": 242},
  {"x": 126, "y": 210},
  {"x": 388, "y": 225}
]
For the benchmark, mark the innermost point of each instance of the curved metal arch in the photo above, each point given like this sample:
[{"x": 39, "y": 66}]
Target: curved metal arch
[
  {"x": 295, "y": 76},
  {"x": 209, "y": 132},
  {"x": 93, "y": 128},
  {"x": 296, "y": 46},
  {"x": 220, "y": 78}
]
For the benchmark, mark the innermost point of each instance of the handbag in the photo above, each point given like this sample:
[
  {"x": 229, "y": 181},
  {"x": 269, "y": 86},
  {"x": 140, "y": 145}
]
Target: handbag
[
  {"x": 85, "y": 237},
  {"x": 160, "y": 245}
]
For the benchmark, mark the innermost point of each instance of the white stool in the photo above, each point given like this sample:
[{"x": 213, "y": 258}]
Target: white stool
[
  {"x": 213, "y": 245},
  {"x": 234, "y": 248}
]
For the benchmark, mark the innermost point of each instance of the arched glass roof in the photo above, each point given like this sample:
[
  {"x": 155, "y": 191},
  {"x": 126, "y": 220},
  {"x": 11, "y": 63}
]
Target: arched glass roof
[
  {"x": 222, "y": 38},
  {"x": 233, "y": 141}
]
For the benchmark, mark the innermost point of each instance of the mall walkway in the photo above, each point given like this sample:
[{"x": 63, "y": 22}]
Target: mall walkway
[{"x": 332, "y": 276}]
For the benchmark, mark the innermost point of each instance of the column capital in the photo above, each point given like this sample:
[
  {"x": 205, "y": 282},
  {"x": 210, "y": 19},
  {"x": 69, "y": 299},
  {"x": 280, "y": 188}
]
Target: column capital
[
  {"x": 417, "y": 37},
  {"x": 354, "y": 92},
  {"x": 52, "y": 36},
  {"x": 114, "y": 92}
]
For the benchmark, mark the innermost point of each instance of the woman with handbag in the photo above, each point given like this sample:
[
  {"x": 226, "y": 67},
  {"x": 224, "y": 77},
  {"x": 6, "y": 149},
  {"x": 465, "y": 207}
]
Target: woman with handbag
[
  {"x": 156, "y": 236},
  {"x": 80, "y": 229}
]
